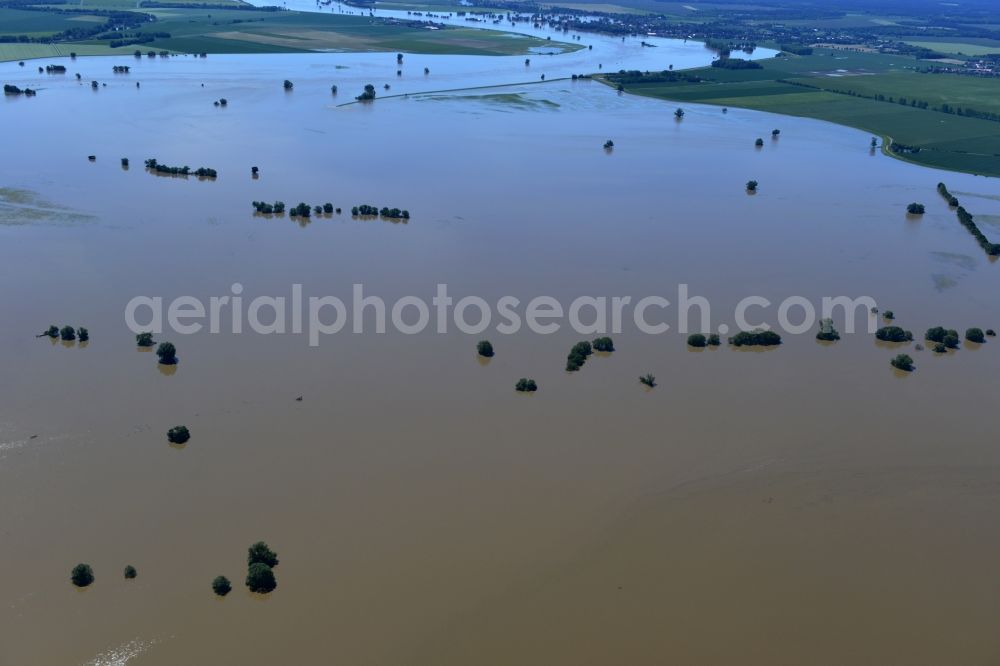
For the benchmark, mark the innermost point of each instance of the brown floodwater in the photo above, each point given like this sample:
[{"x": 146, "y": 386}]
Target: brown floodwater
[{"x": 806, "y": 505}]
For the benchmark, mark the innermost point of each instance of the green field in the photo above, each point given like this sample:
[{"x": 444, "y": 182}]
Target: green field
[
  {"x": 946, "y": 140},
  {"x": 216, "y": 30},
  {"x": 957, "y": 48}
]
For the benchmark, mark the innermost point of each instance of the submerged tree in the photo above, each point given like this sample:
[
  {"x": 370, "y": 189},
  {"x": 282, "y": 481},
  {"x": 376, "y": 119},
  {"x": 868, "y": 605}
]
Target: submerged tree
[
  {"x": 83, "y": 334},
  {"x": 893, "y": 334},
  {"x": 485, "y": 349},
  {"x": 754, "y": 338},
  {"x": 260, "y": 578},
  {"x": 697, "y": 340},
  {"x": 221, "y": 586},
  {"x": 975, "y": 335},
  {"x": 604, "y": 344},
  {"x": 288, "y": 85},
  {"x": 751, "y": 186},
  {"x": 902, "y": 362},
  {"x": 82, "y": 575},
  {"x": 526, "y": 385},
  {"x": 827, "y": 332},
  {"x": 679, "y": 113},
  {"x": 648, "y": 379},
  {"x": 167, "y": 353},
  {"x": 67, "y": 333},
  {"x": 368, "y": 94},
  {"x": 759, "y": 142},
  {"x": 144, "y": 339},
  {"x": 178, "y": 435},
  {"x": 261, "y": 553},
  {"x": 130, "y": 572}
]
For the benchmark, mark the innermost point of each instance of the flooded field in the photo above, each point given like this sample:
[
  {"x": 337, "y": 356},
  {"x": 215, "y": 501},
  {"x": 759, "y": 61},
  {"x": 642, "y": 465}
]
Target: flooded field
[{"x": 805, "y": 505}]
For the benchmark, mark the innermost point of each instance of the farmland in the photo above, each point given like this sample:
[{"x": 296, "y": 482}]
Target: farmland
[{"x": 829, "y": 86}]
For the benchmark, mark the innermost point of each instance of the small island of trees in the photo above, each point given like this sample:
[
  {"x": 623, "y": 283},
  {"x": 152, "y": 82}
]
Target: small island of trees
[
  {"x": 756, "y": 337},
  {"x": 915, "y": 209},
  {"x": 525, "y": 385},
  {"x": 893, "y": 334},
  {"x": 55, "y": 69},
  {"x": 366, "y": 210},
  {"x": 120, "y": 69},
  {"x": 14, "y": 90},
  {"x": 261, "y": 561},
  {"x": 578, "y": 356},
  {"x": 202, "y": 172},
  {"x": 264, "y": 208}
]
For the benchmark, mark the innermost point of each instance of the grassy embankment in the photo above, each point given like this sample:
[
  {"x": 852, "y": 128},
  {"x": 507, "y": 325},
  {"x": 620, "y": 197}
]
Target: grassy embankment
[
  {"x": 821, "y": 86},
  {"x": 199, "y": 30}
]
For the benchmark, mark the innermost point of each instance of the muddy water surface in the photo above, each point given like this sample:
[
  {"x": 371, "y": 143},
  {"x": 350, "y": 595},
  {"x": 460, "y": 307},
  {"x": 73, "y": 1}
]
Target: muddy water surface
[{"x": 803, "y": 505}]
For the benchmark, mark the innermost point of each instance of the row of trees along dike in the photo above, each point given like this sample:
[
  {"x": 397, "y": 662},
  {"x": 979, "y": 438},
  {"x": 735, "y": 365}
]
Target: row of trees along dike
[
  {"x": 965, "y": 218},
  {"x": 8, "y": 89},
  {"x": 66, "y": 333},
  {"x": 371, "y": 211},
  {"x": 202, "y": 172}
]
